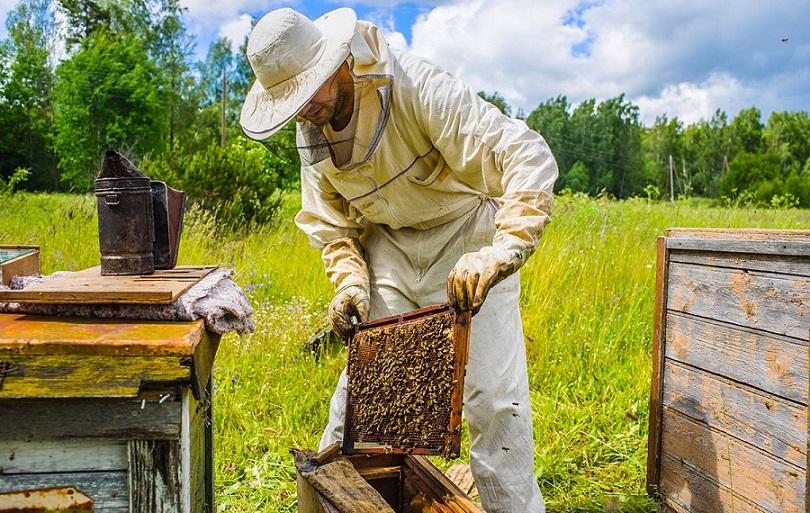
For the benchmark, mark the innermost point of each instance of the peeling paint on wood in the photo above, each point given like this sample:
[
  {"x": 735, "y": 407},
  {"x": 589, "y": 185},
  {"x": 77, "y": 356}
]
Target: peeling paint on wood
[
  {"x": 753, "y": 474},
  {"x": 774, "y": 303},
  {"x": 109, "y": 490},
  {"x": 774, "y": 364},
  {"x": 772, "y": 424}
]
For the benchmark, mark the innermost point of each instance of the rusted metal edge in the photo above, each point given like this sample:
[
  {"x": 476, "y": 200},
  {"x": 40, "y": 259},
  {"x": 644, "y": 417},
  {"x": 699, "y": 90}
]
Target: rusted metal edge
[
  {"x": 657, "y": 384},
  {"x": 407, "y": 316},
  {"x": 45, "y": 500}
]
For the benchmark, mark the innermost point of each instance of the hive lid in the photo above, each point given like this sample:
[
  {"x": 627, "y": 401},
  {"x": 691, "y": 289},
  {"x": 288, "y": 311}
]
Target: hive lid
[{"x": 406, "y": 383}]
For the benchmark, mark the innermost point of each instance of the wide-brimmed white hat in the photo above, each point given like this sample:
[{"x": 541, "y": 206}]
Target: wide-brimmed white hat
[{"x": 291, "y": 57}]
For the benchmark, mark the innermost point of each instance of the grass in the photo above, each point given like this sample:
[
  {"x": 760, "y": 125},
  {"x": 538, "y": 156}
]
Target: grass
[{"x": 587, "y": 302}]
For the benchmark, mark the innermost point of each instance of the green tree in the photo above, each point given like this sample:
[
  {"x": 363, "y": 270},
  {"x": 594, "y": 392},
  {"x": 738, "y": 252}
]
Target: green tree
[
  {"x": 108, "y": 95},
  {"x": 551, "y": 119},
  {"x": 706, "y": 153},
  {"x": 659, "y": 142},
  {"x": 788, "y": 135},
  {"x": 497, "y": 100},
  {"x": 26, "y": 104},
  {"x": 758, "y": 174},
  {"x": 747, "y": 131}
]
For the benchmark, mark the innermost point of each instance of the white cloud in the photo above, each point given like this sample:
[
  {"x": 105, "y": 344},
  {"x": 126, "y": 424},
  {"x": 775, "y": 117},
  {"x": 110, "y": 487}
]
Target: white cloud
[
  {"x": 680, "y": 57},
  {"x": 236, "y": 30}
]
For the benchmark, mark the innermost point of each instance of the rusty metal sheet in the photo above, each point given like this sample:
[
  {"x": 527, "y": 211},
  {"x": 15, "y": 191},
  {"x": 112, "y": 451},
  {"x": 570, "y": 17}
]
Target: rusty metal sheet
[{"x": 62, "y": 500}]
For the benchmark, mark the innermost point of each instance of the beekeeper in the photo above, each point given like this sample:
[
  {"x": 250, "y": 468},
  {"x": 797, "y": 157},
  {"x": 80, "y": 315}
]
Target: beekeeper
[{"x": 418, "y": 192}]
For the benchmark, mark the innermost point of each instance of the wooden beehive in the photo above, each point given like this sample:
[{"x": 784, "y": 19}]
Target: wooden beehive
[
  {"x": 18, "y": 261},
  {"x": 406, "y": 484},
  {"x": 411, "y": 370},
  {"x": 115, "y": 413},
  {"x": 728, "y": 405}
]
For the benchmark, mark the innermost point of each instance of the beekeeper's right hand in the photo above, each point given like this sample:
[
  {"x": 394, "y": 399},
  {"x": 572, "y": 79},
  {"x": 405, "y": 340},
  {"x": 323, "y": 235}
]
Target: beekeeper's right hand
[{"x": 350, "y": 302}]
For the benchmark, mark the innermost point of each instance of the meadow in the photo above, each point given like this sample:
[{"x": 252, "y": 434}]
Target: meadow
[{"x": 587, "y": 303}]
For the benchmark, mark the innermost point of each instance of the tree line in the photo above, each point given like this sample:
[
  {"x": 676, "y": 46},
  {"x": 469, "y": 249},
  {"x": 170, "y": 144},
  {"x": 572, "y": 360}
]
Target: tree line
[{"x": 123, "y": 75}]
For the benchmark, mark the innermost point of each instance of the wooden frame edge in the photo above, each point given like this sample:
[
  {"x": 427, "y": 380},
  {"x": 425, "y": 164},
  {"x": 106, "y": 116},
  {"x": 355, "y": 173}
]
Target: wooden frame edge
[{"x": 658, "y": 352}]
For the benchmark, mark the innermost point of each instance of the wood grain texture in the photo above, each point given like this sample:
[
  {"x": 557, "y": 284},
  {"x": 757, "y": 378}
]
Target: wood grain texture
[
  {"x": 26, "y": 264},
  {"x": 91, "y": 376},
  {"x": 154, "y": 476},
  {"x": 90, "y": 287},
  {"x": 108, "y": 490},
  {"x": 33, "y": 456},
  {"x": 658, "y": 349},
  {"x": 774, "y": 303},
  {"x": 44, "y": 335},
  {"x": 685, "y": 490},
  {"x": 89, "y": 418},
  {"x": 762, "y": 247},
  {"x": 776, "y": 426},
  {"x": 340, "y": 483},
  {"x": 781, "y": 264},
  {"x": 772, "y": 363},
  {"x": 751, "y": 473}
]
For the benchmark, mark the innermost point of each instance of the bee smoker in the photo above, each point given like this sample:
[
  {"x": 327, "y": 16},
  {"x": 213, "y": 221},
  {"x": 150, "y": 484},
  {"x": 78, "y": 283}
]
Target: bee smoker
[{"x": 139, "y": 220}]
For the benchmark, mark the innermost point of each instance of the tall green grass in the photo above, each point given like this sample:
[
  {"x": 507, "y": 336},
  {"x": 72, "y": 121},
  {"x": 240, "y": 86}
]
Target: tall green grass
[{"x": 587, "y": 303}]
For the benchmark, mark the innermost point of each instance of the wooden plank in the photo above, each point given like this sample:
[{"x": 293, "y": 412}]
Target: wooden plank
[
  {"x": 745, "y": 234},
  {"x": 154, "y": 476},
  {"x": 774, "y": 425},
  {"x": 63, "y": 376},
  {"x": 762, "y": 247},
  {"x": 770, "y": 302},
  {"x": 33, "y": 456},
  {"x": 196, "y": 474},
  {"x": 341, "y": 484},
  {"x": 108, "y": 490},
  {"x": 441, "y": 486},
  {"x": 89, "y": 286},
  {"x": 658, "y": 343},
  {"x": 45, "y": 335},
  {"x": 685, "y": 490},
  {"x": 771, "y": 484},
  {"x": 775, "y": 364},
  {"x": 782, "y": 264},
  {"x": 89, "y": 418}
]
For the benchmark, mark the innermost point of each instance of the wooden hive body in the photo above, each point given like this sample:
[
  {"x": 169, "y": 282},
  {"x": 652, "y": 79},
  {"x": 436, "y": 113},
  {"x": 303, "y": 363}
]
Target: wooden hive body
[
  {"x": 18, "y": 261},
  {"x": 728, "y": 405},
  {"x": 117, "y": 411},
  {"x": 407, "y": 483}
]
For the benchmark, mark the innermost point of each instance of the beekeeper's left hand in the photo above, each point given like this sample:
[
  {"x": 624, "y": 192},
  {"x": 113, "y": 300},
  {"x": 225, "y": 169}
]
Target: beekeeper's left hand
[{"x": 476, "y": 273}]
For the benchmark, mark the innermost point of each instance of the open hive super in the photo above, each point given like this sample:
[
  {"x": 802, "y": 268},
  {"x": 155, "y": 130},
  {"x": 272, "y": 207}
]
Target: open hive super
[{"x": 406, "y": 378}]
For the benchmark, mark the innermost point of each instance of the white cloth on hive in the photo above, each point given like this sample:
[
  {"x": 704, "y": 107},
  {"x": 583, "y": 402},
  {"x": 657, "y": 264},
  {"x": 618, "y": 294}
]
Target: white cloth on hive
[{"x": 216, "y": 299}]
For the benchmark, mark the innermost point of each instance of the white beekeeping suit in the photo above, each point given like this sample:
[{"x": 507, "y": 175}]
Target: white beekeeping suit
[{"x": 436, "y": 180}]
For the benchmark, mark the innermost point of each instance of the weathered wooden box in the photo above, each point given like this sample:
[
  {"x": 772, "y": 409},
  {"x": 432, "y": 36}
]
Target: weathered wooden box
[
  {"x": 407, "y": 483},
  {"x": 117, "y": 411},
  {"x": 18, "y": 261},
  {"x": 728, "y": 406}
]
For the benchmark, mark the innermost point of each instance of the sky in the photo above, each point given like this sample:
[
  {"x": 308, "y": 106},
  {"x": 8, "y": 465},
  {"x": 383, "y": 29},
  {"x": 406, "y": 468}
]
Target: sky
[{"x": 683, "y": 58}]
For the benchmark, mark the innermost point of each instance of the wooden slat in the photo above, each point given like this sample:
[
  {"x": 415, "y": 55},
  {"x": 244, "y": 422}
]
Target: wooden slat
[
  {"x": 109, "y": 490},
  {"x": 776, "y": 426},
  {"x": 772, "y": 363},
  {"x": 781, "y": 264},
  {"x": 769, "y": 483},
  {"x": 63, "y": 376},
  {"x": 685, "y": 490},
  {"x": 43, "y": 335},
  {"x": 658, "y": 342},
  {"x": 89, "y": 418},
  {"x": 763, "y": 247},
  {"x": 753, "y": 234},
  {"x": 88, "y": 286},
  {"x": 775, "y": 303},
  {"x": 154, "y": 476},
  {"x": 33, "y": 456},
  {"x": 25, "y": 263}
]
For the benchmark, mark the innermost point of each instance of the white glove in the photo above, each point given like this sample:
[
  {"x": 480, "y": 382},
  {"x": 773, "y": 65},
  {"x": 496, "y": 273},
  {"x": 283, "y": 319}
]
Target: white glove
[
  {"x": 475, "y": 273},
  {"x": 352, "y": 301}
]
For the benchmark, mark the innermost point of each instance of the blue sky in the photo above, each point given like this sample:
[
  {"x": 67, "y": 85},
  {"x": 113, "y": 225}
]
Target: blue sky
[{"x": 683, "y": 58}]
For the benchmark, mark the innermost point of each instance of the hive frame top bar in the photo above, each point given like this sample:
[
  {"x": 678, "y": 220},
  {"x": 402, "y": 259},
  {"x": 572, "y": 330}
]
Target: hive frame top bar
[{"x": 408, "y": 316}]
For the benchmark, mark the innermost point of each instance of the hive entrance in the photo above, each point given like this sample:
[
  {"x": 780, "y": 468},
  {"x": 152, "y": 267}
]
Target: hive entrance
[{"x": 406, "y": 378}]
